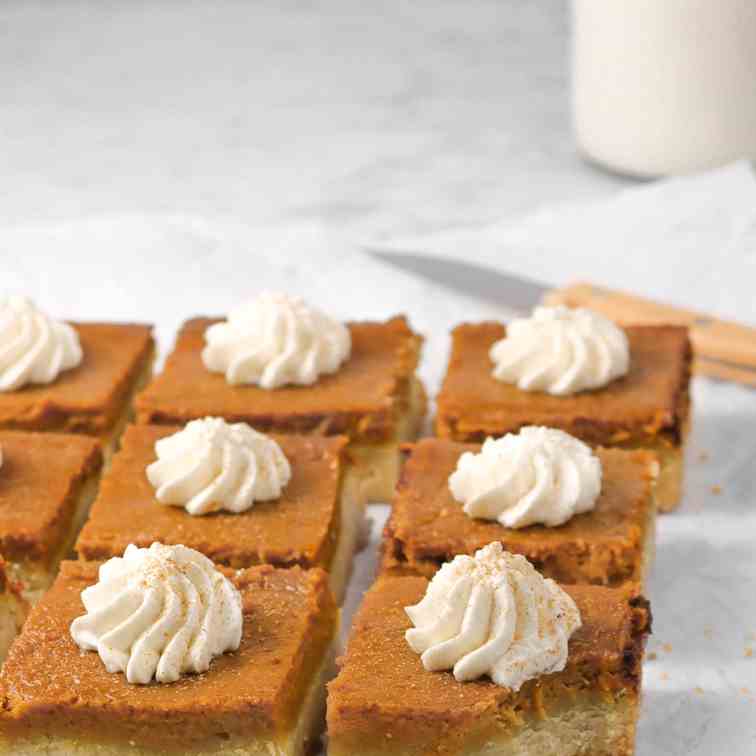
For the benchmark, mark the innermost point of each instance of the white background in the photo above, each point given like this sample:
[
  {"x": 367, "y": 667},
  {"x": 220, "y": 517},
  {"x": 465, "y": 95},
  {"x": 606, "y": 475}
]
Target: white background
[
  {"x": 400, "y": 116},
  {"x": 142, "y": 145}
]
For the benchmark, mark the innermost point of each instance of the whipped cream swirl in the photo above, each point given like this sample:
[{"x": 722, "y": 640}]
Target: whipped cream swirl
[
  {"x": 493, "y": 614},
  {"x": 561, "y": 351},
  {"x": 33, "y": 347},
  {"x": 276, "y": 340},
  {"x": 539, "y": 475},
  {"x": 211, "y": 465},
  {"x": 159, "y": 613}
]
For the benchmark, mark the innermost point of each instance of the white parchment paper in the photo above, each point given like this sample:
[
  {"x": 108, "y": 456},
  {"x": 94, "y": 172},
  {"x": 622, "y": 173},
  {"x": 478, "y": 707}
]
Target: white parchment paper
[{"x": 700, "y": 680}]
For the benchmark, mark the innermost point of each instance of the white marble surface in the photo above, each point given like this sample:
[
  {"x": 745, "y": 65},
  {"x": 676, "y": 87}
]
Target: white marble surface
[
  {"x": 700, "y": 690},
  {"x": 141, "y": 144},
  {"x": 397, "y": 117}
]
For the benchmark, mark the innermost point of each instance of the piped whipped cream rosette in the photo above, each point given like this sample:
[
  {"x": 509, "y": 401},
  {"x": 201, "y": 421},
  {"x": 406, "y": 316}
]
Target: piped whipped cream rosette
[
  {"x": 33, "y": 347},
  {"x": 159, "y": 613},
  {"x": 493, "y": 614},
  {"x": 539, "y": 475},
  {"x": 213, "y": 465},
  {"x": 561, "y": 351},
  {"x": 276, "y": 340}
]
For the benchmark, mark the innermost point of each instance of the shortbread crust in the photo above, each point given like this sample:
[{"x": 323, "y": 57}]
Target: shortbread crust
[
  {"x": 315, "y": 522},
  {"x": 609, "y": 545},
  {"x": 383, "y": 702},
  {"x": 647, "y": 408},
  {"x": 13, "y": 609},
  {"x": 374, "y": 398},
  {"x": 94, "y": 398},
  {"x": 47, "y": 483},
  {"x": 266, "y": 698}
]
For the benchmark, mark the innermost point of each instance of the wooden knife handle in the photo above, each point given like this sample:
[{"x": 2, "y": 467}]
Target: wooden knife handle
[{"x": 722, "y": 349}]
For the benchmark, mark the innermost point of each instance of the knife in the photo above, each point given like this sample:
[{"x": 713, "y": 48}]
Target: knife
[{"x": 721, "y": 349}]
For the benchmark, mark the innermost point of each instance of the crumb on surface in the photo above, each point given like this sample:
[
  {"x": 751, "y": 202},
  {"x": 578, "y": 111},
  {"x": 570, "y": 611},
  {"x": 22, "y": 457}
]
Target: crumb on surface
[
  {"x": 699, "y": 690},
  {"x": 664, "y": 676},
  {"x": 715, "y": 489},
  {"x": 667, "y": 647},
  {"x": 703, "y": 456},
  {"x": 652, "y": 656},
  {"x": 748, "y": 652},
  {"x": 708, "y": 633}
]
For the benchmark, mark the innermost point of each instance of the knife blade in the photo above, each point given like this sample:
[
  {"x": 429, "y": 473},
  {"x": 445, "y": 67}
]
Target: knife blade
[
  {"x": 503, "y": 289},
  {"x": 722, "y": 349}
]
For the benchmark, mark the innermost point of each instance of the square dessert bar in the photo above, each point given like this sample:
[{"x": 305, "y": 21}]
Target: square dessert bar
[
  {"x": 608, "y": 545},
  {"x": 12, "y": 610},
  {"x": 47, "y": 483},
  {"x": 374, "y": 398},
  {"x": 649, "y": 407},
  {"x": 384, "y": 702},
  {"x": 94, "y": 398},
  {"x": 266, "y": 698},
  {"x": 315, "y": 523}
]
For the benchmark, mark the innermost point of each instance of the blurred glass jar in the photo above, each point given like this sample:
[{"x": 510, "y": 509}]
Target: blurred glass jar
[{"x": 663, "y": 87}]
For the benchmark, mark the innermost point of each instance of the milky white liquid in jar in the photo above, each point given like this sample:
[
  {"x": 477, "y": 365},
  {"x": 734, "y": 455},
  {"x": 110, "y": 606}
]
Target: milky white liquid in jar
[{"x": 664, "y": 87}]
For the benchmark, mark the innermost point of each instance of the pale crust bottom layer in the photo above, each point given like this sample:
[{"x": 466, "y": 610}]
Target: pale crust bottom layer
[
  {"x": 36, "y": 577},
  {"x": 379, "y": 464},
  {"x": 294, "y": 741},
  {"x": 389, "y": 565},
  {"x": 670, "y": 482},
  {"x": 589, "y": 727},
  {"x": 110, "y": 441},
  {"x": 352, "y": 509},
  {"x": 649, "y": 541},
  {"x": 12, "y": 615}
]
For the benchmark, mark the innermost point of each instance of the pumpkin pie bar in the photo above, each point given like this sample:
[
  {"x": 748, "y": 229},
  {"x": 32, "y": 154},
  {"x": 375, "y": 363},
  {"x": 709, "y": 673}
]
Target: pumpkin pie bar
[
  {"x": 374, "y": 398},
  {"x": 12, "y": 610},
  {"x": 47, "y": 484},
  {"x": 385, "y": 702},
  {"x": 608, "y": 545},
  {"x": 265, "y": 698},
  {"x": 649, "y": 407},
  {"x": 95, "y": 397},
  {"x": 314, "y": 523}
]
